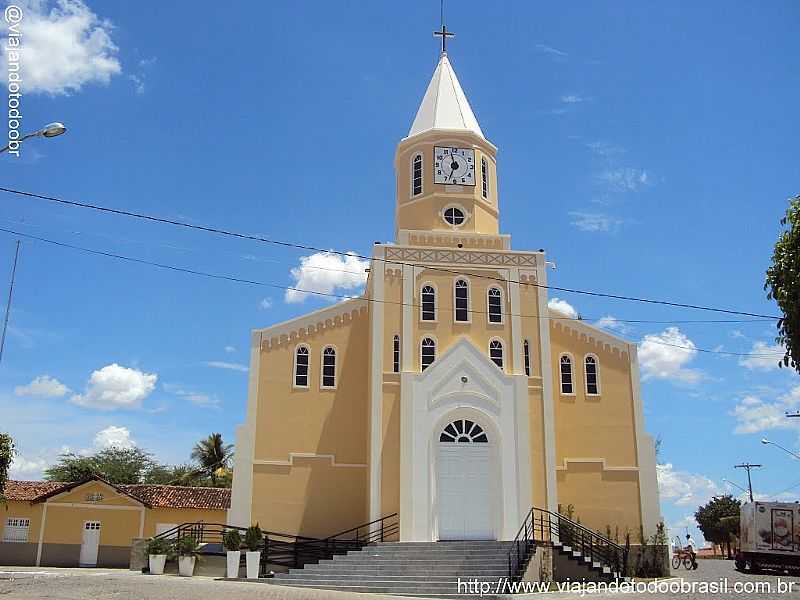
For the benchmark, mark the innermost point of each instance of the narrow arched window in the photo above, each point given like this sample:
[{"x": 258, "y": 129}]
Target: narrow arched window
[
  {"x": 496, "y": 352},
  {"x": 494, "y": 302},
  {"x": 566, "y": 375},
  {"x": 301, "y": 366},
  {"x": 427, "y": 353},
  {"x": 592, "y": 376},
  {"x": 484, "y": 178},
  {"x": 461, "y": 301},
  {"x": 428, "y": 307},
  {"x": 526, "y": 355},
  {"x": 416, "y": 175},
  {"x": 329, "y": 367},
  {"x": 396, "y": 354}
]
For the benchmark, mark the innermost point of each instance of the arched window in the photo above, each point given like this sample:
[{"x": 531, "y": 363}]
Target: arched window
[
  {"x": 494, "y": 303},
  {"x": 592, "y": 375},
  {"x": 526, "y": 355},
  {"x": 329, "y": 367},
  {"x": 428, "y": 305},
  {"x": 496, "y": 352},
  {"x": 566, "y": 375},
  {"x": 461, "y": 294},
  {"x": 416, "y": 175},
  {"x": 301, "y": 366},
  {"x": 428, "y": 353},
  {"x": 484, "y": 178},
  {"x": 396, "y": 354},
  {"x": 463, "y": 431}
]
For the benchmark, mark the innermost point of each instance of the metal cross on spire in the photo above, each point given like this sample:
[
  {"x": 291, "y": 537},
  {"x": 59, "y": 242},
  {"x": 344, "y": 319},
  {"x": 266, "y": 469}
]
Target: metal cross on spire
[{"x": 443, "y": 33}]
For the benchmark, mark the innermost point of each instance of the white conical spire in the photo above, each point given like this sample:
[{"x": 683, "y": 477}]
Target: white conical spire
[{"x": 444, "y": 106}]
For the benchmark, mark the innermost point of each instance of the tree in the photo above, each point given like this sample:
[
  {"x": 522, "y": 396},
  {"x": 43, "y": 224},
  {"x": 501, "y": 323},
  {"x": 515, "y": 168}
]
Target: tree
[
  {"x": 115, "y": 465},
  {"x": 187, "y": 475},
  {"x": 213, "y": 456},
  {"x": 716, "y": 519},
  {"x": 7, "y": 452},
  {"x": 783, "y": 284}
]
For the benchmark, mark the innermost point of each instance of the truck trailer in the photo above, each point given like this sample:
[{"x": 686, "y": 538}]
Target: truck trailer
[{"x": 769, "y": 536}]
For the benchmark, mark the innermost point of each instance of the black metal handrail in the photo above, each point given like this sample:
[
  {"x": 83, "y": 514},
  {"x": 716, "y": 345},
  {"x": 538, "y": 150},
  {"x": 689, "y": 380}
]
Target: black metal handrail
[{"x": 542, "y": 526}]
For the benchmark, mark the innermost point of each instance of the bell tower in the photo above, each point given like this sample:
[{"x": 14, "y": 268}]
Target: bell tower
[{"x": 446, "y": 169}]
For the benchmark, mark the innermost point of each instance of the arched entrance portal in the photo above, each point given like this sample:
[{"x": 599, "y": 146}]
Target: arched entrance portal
[{"x": 464, "y": 482}]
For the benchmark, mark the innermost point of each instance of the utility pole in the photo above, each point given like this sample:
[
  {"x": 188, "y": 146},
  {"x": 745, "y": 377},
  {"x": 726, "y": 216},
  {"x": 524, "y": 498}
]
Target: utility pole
[
  {"x": 8, "y": 304},
  {"x": 747, "y": 467}
]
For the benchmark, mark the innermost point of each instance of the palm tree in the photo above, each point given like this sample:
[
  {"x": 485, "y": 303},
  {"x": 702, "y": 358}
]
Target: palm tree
[{"x": 212, "y": 454}]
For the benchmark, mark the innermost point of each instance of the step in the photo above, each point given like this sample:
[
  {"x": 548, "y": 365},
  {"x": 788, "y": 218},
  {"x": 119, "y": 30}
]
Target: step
[
  {"x": 386, "y": 577},
  {"x": 498, "y": 572},
  {"x": 382, "y": 588}
]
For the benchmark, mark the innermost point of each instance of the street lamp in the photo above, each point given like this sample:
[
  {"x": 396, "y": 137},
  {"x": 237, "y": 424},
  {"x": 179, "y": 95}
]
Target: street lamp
[
  {"x": 766, "y": 441},
  {"x": 49, "y": 131}
]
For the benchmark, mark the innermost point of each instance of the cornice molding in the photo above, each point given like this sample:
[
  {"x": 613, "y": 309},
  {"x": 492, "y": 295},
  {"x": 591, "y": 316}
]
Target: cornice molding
[{"x": 299, "y": 328}]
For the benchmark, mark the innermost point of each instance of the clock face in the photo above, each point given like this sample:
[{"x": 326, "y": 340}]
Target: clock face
[{"x": 453, "y": 166}]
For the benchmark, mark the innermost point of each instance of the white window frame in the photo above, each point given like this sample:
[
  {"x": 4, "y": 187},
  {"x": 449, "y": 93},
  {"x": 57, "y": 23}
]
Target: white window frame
[
  {"x": 322, "y": 385},
  {"x": 294, "y": 367},
  {"x": 396, "y": 353},
  {"x": 16, "y": 525},
  {"x": 422, "y": 175},
  {"x": 502, "y": 306},
  {"x": 435, "y": 302},
  {"x": 435, "y": 351},
  {"x": 469, "y": 299},
  {"x": 526, "y": 357},
  {"x": 502, "y": 352},
  {"x": 463, "y": 212},
  {"x": 571, "y": 374},
  {"x": 596, "y": 374},
  {"x": 485, "y": 178}
]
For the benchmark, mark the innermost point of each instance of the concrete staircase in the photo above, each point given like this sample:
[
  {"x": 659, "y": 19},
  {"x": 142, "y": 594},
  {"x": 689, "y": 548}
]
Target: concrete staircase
[
  {"x": 571, "y": 564},
  {"x": 423, "y": 569}
]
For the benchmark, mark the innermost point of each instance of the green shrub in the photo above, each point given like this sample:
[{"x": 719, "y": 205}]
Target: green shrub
[
  {"x": 232, "y": 540},
  {"x": 253, "y": 537},
  {"x": 186, "y": 546},
  {"x": 158, "y": 546}
]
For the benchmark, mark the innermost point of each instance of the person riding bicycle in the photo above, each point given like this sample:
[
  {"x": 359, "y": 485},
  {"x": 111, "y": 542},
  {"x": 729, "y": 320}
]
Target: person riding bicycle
[{"x": 691, "y": 548}]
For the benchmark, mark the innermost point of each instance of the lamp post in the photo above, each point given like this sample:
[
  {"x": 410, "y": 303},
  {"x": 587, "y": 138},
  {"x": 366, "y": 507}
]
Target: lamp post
[
  {"x": 766, "y": 441},
  {"x": 48, "y": 131}
]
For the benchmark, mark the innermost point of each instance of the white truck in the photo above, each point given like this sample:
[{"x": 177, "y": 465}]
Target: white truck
[{"x": 769, "y": 536}]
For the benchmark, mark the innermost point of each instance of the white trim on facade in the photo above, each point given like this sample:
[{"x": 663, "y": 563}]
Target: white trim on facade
[
  {"x": 564, "y": 466},
  {"x": 546, "y": 370},
  {"x": 293, "y": 455},
  {"x": 378, "y": 268}
]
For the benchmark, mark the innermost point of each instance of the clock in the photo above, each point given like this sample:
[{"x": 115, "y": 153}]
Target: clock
[{"x": 453, "y": 166}]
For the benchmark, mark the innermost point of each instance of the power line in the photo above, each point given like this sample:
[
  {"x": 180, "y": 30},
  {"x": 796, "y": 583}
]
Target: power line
[
  {"x": 298, "y": 246},
  {"x": 325, "y": 294}
]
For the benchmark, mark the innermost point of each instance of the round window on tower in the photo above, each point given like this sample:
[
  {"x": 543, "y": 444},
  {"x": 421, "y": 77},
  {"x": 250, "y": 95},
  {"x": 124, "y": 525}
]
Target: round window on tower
[{"x": 454, "y": 216}]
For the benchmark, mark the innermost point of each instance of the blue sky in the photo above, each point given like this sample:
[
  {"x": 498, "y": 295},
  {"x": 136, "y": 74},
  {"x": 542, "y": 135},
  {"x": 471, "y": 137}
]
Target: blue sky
[{"x": 648, "y": 147}]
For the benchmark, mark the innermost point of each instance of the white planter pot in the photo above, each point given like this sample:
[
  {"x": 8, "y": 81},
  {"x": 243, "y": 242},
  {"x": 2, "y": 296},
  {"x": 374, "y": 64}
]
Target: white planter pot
[
  {"x": 234, "y": 558},
  {"x": 253, "y": 562},
  {"x": 186, "y": 566},
  {"x": 157, "y": 563}
]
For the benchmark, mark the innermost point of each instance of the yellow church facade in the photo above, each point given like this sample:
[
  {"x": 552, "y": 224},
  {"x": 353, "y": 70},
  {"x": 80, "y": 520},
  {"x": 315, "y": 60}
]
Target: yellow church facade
[{"x": 448, "y": 393}]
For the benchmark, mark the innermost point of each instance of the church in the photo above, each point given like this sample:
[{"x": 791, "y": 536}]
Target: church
[{"x": 448, "y": 392}]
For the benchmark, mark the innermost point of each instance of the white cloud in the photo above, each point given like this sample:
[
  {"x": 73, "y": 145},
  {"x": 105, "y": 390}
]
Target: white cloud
[
  {"x": 230, "y": 349},
  {"x": 605, "y": 149},
  {"x": 736, "y": 334},
  {"x": 24, "y": 468},
  {"x": 64, "y": 47},
  {"x": 612, "y": 324},
  {"x": 44, "y": 386},
  {"x": 665, "y": 356},
  {"x": 754, "y": 415},
  {"x": 265, "y": 304},
  {"x": 219, "y": 364},
  {"x": 326, "y": 272},
  {"x": 563, "y": 307},
  {"x": 113, "y": 437},
  {"x": 554, "y": 52},
  {"x": 114, "y": 387},
  {"x": 594, "y": 221},
  {"x": 683, "y": 488},
  {"x": 197, "y": 398},
  {"x": 625, "y": 179},
  {"x": 765, "y": 357},
  {"x": 573, "y": 99}
]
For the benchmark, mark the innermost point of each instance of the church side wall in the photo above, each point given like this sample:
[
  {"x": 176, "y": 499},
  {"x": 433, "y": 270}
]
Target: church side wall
[{"x": 310, "y": 451}]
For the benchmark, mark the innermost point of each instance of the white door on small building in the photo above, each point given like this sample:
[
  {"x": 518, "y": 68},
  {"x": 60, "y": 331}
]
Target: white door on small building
[
  {"x": 162, "y": 527},
  {"x": 90, "y": 544},
  {"x": 464, "y": 482}
]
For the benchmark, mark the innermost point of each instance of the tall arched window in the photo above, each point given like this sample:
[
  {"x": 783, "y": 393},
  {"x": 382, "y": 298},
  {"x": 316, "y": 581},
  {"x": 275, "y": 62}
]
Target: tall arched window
[
  {"x": 484, "y": 178},
  {"x": 526, "y": 355},
  {"x": 496, "y": 352},
  {"x": 428, "y": 304},
  {"x": 396, "y": 354},
  {"x": 461, "y": 295},
  {"x": 329, "y": 367},
  {"x": 566, "y": 375},
  {"x": 416, "y": 175},
  {"x": 463, "y": 431},
  {"x": 427, "y": 353},
  {"x": 494, "y": 302},
  {"x": 301, "y": 366},
  {"x": 592, "y": 375}
]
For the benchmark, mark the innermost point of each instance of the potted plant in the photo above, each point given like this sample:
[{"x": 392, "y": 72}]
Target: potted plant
[
  {"x": 157, "y": 550},
  {"x": 233, "y": 544},
  {"x": 186, "y": 549},
  {"x": 252, "y": 540}
]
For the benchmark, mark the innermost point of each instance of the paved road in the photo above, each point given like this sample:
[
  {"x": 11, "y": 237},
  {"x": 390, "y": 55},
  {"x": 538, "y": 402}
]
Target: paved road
[{"x": 90, "y": 584}]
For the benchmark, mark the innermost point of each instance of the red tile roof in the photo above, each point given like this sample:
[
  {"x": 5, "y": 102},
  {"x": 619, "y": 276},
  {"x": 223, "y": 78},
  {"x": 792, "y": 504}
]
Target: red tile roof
[{"x": 156, "y": 496}]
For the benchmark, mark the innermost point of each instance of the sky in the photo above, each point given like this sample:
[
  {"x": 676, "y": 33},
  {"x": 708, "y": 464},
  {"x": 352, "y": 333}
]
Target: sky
[{"x": 649, "y": 148}]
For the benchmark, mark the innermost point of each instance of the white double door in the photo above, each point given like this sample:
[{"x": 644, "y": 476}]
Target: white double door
[
  {"x": 465, "y": 491},
  {"x": 90, "y": 543}
]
